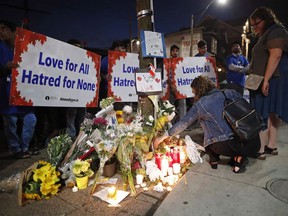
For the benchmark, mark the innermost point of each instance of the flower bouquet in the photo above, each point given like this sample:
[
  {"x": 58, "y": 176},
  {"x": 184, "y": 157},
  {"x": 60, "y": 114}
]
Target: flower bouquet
[
  {"x": 105, "y": 146},
  {"x": 41, "y": 180},
  {"x": 125, "y": 155}
]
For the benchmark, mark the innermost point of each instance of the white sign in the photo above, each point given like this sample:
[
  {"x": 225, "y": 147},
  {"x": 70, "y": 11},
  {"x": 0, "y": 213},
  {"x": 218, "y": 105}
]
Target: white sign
[
  {"x": 152, "y": 44},
  {"x": 53, "y": 73},
  {"x": 122, "y": 66},
  {"x": 185, "y": 70}
]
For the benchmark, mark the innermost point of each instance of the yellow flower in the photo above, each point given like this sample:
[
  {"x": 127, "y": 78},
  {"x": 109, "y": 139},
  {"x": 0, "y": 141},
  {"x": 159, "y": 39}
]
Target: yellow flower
[
  {"x": 45, "y": 188},
  {"x": 120, "y": 120},
  {"x": 32, "y": 196}
]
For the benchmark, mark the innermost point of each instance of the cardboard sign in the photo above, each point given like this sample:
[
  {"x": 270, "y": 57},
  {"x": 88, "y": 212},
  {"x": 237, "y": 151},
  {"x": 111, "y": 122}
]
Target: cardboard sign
[
  {"x": 53, "y": 73},
  {"x": 146, "y": 84},
  {"x": 122, "y": 67}
]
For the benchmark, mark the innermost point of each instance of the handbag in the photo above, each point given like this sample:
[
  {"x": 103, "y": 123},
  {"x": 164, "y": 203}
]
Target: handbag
[
  {"x": 253, "y": 81},
  {"x": 242, "y": 118}
]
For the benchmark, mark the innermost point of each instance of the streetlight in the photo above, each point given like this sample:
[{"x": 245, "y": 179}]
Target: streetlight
[{"x": 203, "y": 12}]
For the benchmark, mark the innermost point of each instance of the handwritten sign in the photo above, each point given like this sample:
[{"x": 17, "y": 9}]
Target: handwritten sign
[
  {"x": 53, "y": 73},
  {"x": 152, "y": 44},
  {"x": 146, "y": 84}
]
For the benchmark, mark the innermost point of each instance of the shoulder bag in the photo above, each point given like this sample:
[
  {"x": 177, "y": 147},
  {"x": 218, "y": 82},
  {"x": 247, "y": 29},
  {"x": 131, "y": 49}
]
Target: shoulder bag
[
  {"x": 253, "y": 81},
  {"x": 243, "y": 118}
]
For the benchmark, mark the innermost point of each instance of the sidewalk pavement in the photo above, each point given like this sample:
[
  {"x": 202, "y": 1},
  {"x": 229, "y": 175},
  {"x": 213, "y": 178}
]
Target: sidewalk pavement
[{"x": 262, "y": 190}]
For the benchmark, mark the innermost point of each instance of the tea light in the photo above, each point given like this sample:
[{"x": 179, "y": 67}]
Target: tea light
[
  {"x": 143, "y": 185},
  {"x": 145, "y": 188},
  {"x": 171, "y": 180},
  {"x": 75, "y": 189},
  {"x": 139, "y": 179},
  {"x": 112, "y": 192},
  {"x": 176, "y": 168},
  {"x": 170, "y": 171}
]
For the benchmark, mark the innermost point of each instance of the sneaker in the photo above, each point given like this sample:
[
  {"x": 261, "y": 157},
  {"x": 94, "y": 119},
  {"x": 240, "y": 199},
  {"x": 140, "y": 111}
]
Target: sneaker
[
  {"x": 21, "y": 155},
  {"x": 272, "y": 151}
]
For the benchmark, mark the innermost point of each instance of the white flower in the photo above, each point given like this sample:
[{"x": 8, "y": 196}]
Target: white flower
[
  {"x": 151, "y": 119},
  {"x": 127, "y": 109}
]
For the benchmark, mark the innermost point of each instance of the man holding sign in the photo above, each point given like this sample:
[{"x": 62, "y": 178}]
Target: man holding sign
[{"x": 18, "y": 146}]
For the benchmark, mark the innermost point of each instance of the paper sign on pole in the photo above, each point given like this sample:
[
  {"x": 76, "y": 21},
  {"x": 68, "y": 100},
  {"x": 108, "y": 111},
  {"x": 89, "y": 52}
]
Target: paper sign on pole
[{"x": 53, "y": 73}]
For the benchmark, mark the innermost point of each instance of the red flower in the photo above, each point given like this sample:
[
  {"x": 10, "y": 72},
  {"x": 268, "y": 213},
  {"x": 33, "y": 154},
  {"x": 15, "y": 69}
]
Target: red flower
[{"x": 100, "y": 121}]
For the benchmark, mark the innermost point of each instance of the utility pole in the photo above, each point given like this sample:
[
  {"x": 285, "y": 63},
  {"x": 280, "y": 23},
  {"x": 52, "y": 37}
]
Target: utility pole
[{"x": 144, "y": 14}]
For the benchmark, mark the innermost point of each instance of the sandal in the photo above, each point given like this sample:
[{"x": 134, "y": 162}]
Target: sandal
[
  {"x": 272, "y": 151},
  {"x": 261, "y": 156},
  {"x": 244, "y": 161},
  {"x": 214, "y": 165},
  {"x": 238, "y": 167}
]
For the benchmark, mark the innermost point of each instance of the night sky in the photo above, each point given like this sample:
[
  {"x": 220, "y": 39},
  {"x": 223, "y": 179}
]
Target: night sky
[{"x": 99, "y": 23}]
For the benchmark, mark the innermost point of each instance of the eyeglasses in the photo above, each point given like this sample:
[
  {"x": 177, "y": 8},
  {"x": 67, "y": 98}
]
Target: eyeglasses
[{"x": 256, "y": 24}]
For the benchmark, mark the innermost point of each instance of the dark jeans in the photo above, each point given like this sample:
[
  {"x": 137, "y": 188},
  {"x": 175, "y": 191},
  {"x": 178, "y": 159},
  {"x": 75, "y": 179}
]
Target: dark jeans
[{"x": 233, "y": 148}]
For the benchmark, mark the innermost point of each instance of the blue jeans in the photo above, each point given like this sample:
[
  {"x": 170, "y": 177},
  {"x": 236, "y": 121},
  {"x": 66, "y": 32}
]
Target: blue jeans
[
  {"x": 74, "y": 118},
  {"x": 16, "y": 143}
]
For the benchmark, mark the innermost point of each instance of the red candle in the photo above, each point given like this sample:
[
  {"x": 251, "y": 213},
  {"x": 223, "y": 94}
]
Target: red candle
[
  {"x": 158, "y": 159},
  {"x": 176, "y": 155}
]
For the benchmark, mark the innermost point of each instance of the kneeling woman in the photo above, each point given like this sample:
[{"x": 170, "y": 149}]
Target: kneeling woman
[{"x": 219, "y": 138}]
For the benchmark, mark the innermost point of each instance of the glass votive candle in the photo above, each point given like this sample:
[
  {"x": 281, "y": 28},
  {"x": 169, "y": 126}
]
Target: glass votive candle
[
  {"x": 170, "y": 171},
  {"x": 112, "y": 192},
  {"x": 139, "y": 179},
  {"x": 176, "y": 168}
]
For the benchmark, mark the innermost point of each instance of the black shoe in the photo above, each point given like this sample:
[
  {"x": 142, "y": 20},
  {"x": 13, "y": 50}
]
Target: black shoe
[
  {"x": 214, "y": 165},
  {"x": 21, "y": 155},
  {"x": 272, "y": 151},
  {"x": 33, "y": 152}
]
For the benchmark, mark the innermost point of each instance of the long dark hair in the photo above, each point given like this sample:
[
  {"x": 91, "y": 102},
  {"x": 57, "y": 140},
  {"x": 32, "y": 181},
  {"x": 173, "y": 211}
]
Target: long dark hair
[
  {"x": 202, "y": 85},
  {"x": 265, "y": 14}
]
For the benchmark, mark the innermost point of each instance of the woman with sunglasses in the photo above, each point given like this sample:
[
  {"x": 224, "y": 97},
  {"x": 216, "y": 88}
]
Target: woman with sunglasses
[{"x": 269, "y": 59}]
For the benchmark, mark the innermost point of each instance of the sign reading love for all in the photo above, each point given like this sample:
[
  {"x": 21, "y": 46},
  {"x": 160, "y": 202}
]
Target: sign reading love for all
[
  {"x": 182, "y": 71},
  {"x": 53, "y": 73}
]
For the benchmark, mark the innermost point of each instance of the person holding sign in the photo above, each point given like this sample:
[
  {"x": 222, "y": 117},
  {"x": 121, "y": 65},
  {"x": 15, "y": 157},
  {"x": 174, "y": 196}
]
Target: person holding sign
[
  {"x": 181, "y": 103},
  {"x": 12, "y": 115},
  {"x": 219, "y": 138}
]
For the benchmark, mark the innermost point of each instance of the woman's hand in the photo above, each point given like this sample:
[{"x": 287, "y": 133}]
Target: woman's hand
[
  {"x": 158, "y": 140},
  {"x": 265, "y": 87}
]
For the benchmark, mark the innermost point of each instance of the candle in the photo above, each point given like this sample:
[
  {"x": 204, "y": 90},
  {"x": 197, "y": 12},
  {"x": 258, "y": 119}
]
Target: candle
[
  {"x": 176, "y": 168},
  {"x": 112, "y": 192},
  {"x": 182, "y": 155},
  {"x": 158, "y": 159},
  {"x": 171, "y": 180},
  {"x": 164, "y": 165},
  {"x": 176, "y": 155},
  {"x": 139, "y": 179},
  {"x": 170, "y": 171}
]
